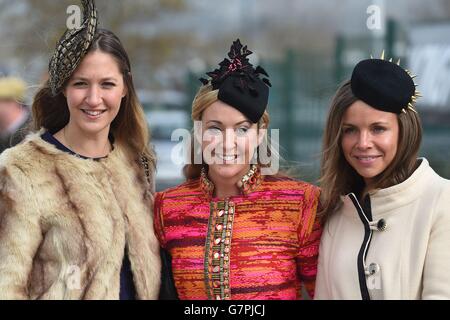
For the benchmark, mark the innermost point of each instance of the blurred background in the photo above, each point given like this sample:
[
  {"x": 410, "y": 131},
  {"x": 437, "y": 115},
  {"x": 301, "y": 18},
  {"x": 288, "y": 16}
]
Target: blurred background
[{"x": 308, "y": 48}]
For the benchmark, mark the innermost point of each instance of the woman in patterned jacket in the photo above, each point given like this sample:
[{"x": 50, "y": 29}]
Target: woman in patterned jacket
[{"x": 234, "y": 231}]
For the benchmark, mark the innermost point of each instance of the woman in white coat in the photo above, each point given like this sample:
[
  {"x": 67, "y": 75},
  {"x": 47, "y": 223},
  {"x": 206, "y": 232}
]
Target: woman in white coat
[{"x": 386, "y": 212}]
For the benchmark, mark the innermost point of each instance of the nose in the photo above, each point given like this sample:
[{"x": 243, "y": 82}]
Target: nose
[
  {"x": 229, "y": 141},
  {"x": 365, "y": 140},
  {"x": 94, "y": 96}
]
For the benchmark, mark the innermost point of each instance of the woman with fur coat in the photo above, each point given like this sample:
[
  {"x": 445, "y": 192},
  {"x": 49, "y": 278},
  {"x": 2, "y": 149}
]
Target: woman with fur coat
[{"x": 76, "y": 196}]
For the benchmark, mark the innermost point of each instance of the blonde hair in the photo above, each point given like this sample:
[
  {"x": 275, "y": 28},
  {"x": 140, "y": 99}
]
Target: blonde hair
[
  {"x": 202, "y": 100},
  {"x": 338, "y": 177},
  {"x": 129, "y": 127}
]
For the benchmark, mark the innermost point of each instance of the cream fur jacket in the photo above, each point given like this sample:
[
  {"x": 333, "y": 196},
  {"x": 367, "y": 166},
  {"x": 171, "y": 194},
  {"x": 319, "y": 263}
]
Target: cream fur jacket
[{"x": 65, "y": 222}]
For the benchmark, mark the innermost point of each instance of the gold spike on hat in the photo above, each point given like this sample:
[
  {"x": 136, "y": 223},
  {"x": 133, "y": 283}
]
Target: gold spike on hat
[{"x": 416, "y": 93}]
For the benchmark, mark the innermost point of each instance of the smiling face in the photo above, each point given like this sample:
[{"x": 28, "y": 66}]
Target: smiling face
[
  {"x": 94, "y": 93},
  {"x": 369, "y": 139},
  {"x": 229, "y": 141}
]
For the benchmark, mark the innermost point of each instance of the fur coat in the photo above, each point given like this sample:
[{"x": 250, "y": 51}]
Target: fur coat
[{"x": 65, "y": 223}]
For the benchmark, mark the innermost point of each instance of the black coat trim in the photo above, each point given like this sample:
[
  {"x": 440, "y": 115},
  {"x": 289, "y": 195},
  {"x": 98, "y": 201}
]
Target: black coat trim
[{"x": 364, "y": 246}]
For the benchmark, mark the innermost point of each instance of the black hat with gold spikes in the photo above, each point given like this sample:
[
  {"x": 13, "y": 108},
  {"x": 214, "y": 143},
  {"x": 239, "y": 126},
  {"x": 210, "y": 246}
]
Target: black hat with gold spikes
[
  {"x": 72, "y": 47},
  {"x": 384, "y": 85}
]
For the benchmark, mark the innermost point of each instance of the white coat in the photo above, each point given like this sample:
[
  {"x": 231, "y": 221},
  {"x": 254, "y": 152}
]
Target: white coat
[{"x": 401, "y": 252}]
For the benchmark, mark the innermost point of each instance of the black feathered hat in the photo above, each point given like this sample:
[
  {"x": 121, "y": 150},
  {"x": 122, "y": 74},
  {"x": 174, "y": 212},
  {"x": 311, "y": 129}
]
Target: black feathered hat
[
  {"x": 239, "y": 84},
  {"x": 384, "y": 85}
]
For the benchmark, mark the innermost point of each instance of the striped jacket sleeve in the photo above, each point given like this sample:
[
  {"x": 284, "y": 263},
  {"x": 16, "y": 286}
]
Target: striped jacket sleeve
[{"x": 309, "y": 233}]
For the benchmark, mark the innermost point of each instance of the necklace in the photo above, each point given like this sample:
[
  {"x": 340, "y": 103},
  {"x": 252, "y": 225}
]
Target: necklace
[{"x": 107, "y": 147}]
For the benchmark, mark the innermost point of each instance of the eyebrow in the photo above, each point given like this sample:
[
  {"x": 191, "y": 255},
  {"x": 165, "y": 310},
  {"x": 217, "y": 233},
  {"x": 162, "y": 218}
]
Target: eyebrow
[
  {"x": 87, "y": 79},
  {"x": 372, "y": 124},
  {"x": 236, "y": 124}
]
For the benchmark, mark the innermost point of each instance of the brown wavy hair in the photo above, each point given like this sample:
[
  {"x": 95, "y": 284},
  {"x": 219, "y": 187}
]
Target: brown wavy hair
[
  {"x": 129, "y": 127},
  {"x": 338, "y": 177}
]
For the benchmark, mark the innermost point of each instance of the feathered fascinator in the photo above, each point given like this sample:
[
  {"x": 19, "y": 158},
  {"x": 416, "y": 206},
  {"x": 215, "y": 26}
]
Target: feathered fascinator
[
  {"x": 72, "y": 47},
  {"x": 384, "y": 85},
  {"x": 240, "y": 85}
]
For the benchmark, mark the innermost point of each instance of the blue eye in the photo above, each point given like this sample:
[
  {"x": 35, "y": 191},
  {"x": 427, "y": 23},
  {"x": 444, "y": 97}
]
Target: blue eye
[
  {"x": 379, "y": 129},
  {"x": 214, "y": 130},
  {"x": 241, "y": 130}
]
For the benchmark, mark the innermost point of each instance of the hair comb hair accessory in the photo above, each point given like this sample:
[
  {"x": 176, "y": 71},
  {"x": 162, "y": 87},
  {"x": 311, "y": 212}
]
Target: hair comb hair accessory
[
  {"x": 241, "y": 85},
  {"x": 72, "y": 47},
  {"x": 384, "y": 85}
]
